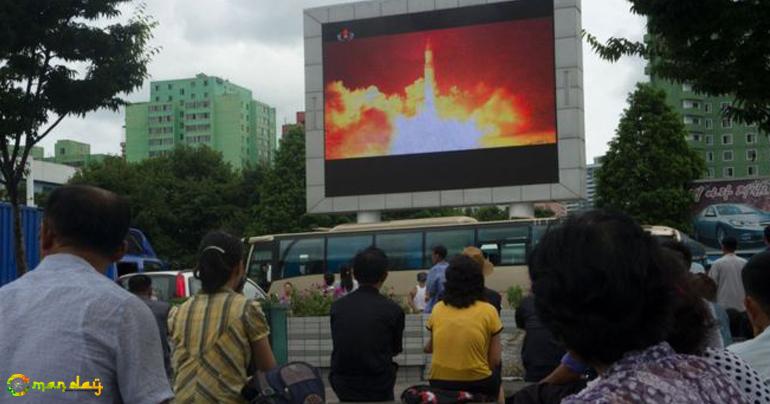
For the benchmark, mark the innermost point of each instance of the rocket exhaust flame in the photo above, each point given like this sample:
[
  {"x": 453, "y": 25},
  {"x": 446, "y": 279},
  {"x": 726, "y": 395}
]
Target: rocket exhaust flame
[{"x": 431, "y": 114}]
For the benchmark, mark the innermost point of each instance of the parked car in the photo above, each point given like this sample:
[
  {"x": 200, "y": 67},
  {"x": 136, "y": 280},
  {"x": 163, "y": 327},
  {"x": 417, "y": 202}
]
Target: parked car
[
  {"x": 168, "y": 285},
  {"x": 698, "y": 250},
  {"x": 741, "y": 221}
]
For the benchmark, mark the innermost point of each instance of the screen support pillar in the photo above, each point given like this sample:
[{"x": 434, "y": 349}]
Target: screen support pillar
[
  {"x": 522, "y": 210},
  {"x": 369, "y": 217}
]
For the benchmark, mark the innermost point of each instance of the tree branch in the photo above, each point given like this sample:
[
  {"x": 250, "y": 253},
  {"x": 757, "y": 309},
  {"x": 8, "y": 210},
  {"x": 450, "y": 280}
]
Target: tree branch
[{"x": 50, "y": 128}]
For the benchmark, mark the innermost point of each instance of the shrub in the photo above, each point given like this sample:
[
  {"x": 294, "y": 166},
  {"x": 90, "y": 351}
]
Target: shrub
[
  {"x": 311, "y": 302},
  {"x": 514, "y": 295}
]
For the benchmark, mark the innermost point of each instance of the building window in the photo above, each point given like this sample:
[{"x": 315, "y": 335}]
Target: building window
[
  {"x": 688, "y": 120},
  {"x": 752, "y": 171},
  {"x": 727, "y": 139},
  {"x": 751, "y": 138},
  {"x": 192, "y": 83},
  {"x": 686, "y": 87},
  {"x": 157, "y": 87},
  {"x": 157, "y": 99},
  {"x": 169, "y": 86},
  {"x": 727, "y": 172},
  {"x": 727, "y": 123},
  {"x": 192, "y": 96},
  {"x": 727, "y": 155},
  {"x": 751, "y": 155},
  {"x": 205, "y": 83},
  {"x": 710, "y": 172},
  {"x": 723, "y": 106},
  {"x": 696, "y": 137},
  {"x": 709, "y": 156},
  {"x": 169, "y": 98},
  {"x": 707, "y": 107},
  {"x": 690, "y": 104},
  {"x": 181, "y": 91},
  {"x": 205, "y": 95},
  {"x": 709, "y": 123},
  {"x": 709, "y": 140}
]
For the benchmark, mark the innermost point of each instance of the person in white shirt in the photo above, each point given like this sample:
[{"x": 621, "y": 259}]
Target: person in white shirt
[
  {"x": 726, "y": 272},
  {"x": 417, "y": 294},
  {"x": 756, "y": 281}
]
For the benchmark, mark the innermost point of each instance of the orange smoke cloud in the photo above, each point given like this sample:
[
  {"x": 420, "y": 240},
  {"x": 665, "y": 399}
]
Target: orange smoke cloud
[{"x": 364, "y": 122}]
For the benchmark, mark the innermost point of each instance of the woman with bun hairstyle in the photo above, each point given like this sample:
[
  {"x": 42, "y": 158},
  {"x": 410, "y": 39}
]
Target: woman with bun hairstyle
[{"x": 218, "y": 334}]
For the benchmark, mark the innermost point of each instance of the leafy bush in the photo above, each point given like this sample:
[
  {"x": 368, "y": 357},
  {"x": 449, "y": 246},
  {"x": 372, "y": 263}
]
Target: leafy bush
[
  {"x": 514, "y": 295},
  {"x": 311, "y": 302}
]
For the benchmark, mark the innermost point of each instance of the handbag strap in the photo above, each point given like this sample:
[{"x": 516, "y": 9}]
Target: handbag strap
[{"x": 264, "y": 386}]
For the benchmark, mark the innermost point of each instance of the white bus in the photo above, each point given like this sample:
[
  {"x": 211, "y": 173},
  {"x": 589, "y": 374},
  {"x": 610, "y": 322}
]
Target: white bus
[{"x": 303, "y": 258}]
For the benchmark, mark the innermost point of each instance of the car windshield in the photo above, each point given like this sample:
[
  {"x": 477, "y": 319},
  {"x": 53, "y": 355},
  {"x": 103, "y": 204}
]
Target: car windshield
[
  {"x": 735, "y": 210},
  {"x": 163, "y": 286}
]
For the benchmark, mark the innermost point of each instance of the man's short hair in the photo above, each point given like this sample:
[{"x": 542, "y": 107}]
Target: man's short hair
[
  {"x": 139, "y": 284},
  {"x": 440, "y": 250},
  {"x": 370, "y": 266},
  {"x": 88, "y": 217},
  {"x": 730, "y": 244},
  {"x": 756, "y": 279}
]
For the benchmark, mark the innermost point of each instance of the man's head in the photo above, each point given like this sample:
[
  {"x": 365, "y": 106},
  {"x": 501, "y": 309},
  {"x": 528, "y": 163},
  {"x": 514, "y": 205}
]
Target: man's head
[
  {"x": 767, "y": 235},
  {"x": 370, "y": 267},
  {"x": 140, "y": 285},
  {"x": 756, "y": 283},
  {"x": 85, "y": 220},
  {"x": 729, "y": 245},
  {"x": 422, "y": 277},
  {"x": 329, "y": 279},
  {"x": 439, "y": 254}
]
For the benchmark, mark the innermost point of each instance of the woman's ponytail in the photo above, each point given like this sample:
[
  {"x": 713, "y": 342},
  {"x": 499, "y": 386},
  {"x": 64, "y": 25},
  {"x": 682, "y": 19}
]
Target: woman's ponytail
[{"x": 218, "y": 255}]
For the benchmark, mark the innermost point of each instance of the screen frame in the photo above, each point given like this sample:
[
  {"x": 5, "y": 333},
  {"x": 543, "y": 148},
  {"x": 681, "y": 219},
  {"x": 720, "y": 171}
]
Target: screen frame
[{"x": 570, "y": 145}]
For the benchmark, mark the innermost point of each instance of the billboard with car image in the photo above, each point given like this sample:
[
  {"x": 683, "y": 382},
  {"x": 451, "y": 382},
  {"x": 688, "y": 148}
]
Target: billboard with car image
[{"x": 738, "y": 208}]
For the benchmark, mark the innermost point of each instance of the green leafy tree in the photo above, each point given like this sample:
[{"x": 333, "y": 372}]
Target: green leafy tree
[
  {"x": 282, "y": 207},
  {"x": 542, "y": 212},
  {"x": 175, "y": 199},
  {"x": 283, "y": 197},
  {"x": 57, "y": 60},
  {"x": 648, "y": 169},
  {"x": 720, "y": 47}
]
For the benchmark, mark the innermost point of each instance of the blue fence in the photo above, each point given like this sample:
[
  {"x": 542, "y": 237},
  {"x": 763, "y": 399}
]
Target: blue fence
[{"x": 30, "y": 221}]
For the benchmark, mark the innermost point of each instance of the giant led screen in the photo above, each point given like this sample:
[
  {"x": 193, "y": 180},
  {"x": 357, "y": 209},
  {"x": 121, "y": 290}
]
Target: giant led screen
[{"x": 446, "y": 99}]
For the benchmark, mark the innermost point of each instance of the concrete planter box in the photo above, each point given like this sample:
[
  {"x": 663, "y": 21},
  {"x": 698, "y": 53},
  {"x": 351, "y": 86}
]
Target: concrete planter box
[{"x": 310, "y": 341}]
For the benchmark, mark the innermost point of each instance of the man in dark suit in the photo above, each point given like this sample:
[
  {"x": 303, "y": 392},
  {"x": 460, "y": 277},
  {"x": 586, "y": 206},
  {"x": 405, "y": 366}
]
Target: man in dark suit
[
  {"x": 141, "y": 286},
  {"x": 367, "y": 331}
]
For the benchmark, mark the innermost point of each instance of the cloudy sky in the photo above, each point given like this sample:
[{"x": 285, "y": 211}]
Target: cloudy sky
[{"x": 258, "y": 44}]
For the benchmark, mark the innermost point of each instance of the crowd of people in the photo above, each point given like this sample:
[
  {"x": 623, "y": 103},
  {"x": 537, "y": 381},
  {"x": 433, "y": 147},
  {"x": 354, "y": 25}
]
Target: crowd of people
[{"x": 614, "y": 317}]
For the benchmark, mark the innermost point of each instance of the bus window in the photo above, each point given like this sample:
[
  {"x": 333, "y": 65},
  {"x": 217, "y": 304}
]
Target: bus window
[
  {"x": 261, "y": 265},
  {"x": 404, "y": 250},
  {"x": 513, "y": 253},
  {"x": 300, "y": 257},
  {"x": 341, "y": 250},
  {"x": 505, "y": 245},
  {"x": 454, "y": 241}
]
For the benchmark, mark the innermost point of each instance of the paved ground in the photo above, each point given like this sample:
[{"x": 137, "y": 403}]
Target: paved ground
[{"x": 509, "y": 386}]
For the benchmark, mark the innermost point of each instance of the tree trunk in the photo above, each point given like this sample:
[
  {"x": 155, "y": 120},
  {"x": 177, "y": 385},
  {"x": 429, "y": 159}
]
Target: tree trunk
[{"x": 21, "y": 258}]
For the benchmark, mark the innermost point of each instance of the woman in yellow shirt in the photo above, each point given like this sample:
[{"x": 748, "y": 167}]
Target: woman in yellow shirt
[{"x": 465, "y": 333}]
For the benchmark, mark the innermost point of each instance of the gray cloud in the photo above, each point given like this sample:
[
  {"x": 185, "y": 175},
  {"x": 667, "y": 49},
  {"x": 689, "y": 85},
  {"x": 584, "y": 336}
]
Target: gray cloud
[{"x": 258, "y": 44}]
